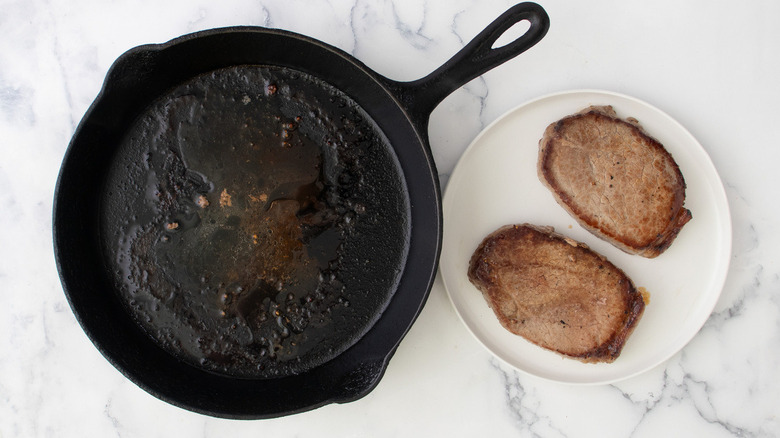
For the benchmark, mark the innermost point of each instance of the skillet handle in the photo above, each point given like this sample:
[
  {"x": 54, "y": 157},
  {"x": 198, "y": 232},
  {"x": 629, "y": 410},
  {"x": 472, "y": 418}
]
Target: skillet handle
[{"x": 420, "y": 97}]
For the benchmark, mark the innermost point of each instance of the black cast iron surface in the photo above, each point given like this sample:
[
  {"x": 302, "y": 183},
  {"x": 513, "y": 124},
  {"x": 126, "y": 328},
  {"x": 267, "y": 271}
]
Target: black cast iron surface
[
  {"x": 255, "y": 221},
  {"x": 248, "y": 221}
]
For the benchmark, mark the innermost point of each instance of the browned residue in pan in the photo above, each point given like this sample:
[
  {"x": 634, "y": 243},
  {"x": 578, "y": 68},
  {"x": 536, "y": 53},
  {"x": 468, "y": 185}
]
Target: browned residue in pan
[{"x": 232, "y": 253}]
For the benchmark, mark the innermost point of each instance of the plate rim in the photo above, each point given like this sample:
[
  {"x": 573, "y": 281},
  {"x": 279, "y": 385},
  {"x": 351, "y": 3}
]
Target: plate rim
[{"x": 722, "y": 205}]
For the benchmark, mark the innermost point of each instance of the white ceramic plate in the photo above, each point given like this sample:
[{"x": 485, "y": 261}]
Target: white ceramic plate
[{"x": 495, "y": 183}]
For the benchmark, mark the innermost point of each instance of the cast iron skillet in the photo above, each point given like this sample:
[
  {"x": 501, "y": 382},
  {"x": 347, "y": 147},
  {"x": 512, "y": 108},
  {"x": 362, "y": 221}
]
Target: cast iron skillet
[{"x": 398, "y": 113}]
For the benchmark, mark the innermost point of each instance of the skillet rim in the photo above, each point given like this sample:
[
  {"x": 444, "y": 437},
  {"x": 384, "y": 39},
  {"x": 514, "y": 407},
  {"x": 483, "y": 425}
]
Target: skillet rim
[{"x": 365, "y": 374}]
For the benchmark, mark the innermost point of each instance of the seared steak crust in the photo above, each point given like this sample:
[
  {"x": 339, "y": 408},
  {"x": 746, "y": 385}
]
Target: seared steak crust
[
  {"x": 617, "y": 182},
  {"x": 556, "y": 292}
]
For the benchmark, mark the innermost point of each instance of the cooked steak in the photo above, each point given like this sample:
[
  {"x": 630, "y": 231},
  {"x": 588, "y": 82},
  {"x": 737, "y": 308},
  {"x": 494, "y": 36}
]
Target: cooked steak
[
  {"x": 556, "y": 292},
  {"x": 618, "y": 182}
]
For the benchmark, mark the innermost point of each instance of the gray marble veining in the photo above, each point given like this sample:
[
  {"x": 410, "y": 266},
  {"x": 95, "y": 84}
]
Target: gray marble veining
[{"x": 711, "y": 65}]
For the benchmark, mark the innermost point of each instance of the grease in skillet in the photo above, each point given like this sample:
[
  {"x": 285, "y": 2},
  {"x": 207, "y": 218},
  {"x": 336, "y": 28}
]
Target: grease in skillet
[{"x": 245, "y": 217}]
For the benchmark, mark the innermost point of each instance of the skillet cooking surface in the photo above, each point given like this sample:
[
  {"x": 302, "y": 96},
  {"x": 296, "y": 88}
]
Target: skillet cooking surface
[{"x": 242, "y": 220}]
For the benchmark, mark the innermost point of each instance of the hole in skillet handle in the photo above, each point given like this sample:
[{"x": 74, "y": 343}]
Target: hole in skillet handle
[
  {"x": 513, "y": 33},
  {"x": 486, "y": 51}
]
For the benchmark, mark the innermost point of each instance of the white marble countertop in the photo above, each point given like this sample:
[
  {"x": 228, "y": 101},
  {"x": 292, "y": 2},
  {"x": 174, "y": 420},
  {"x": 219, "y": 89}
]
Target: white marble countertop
[{"x": 712, "y": 65}]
